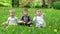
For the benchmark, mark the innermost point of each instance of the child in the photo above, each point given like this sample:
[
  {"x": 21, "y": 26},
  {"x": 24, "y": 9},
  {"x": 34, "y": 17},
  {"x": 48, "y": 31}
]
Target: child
[
  {"x": 25, "y": 20},
  {"x": 39, "y": 19},
  {"x": 12, "y": 20}
]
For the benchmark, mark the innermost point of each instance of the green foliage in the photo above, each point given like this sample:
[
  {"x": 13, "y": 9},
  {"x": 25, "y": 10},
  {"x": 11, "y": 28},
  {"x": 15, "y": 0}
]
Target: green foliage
[
  {"x": 56, "y": 5},
  {"x": 27, "y": 6},
  {"x": 52, "y": 20},
  {"x": 21, "y": 1},
  {"x": 15, "y": 3},
  {"x": 5, "y": 3},
  {"x": 33, "y": 4},
  {"x": 38, "y": 5}
]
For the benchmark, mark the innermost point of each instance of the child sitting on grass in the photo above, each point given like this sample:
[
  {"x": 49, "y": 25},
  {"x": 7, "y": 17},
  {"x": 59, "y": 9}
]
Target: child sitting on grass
[
  {"x": 12, "y": 20},
  {"x": 39, "y": 19},
  {"x": 25, "y": 20}
]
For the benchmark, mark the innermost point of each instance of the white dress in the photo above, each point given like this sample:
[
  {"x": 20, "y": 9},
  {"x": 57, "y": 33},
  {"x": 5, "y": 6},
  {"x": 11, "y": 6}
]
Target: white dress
[
  {"x": 12, "y": 21},
  {"x": 39, "y": 21}
]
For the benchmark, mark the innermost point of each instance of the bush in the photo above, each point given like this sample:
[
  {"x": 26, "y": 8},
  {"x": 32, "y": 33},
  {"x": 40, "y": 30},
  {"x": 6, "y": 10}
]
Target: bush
[
  {"x": 5, "y": 4},
  {"x": 56, "y": 5},
  {"x": 27, "y": 6},
  {"x": 38, "y": 5}
]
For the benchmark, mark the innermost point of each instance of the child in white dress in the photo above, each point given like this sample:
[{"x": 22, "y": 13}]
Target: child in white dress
[
  {"x": 39, "y": 19},
  {"x": 12, "y": 20}
]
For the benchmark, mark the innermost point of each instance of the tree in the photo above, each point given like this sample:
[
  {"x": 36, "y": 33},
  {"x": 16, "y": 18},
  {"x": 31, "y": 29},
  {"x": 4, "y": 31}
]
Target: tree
[
  {"x": 25, "y": 3},
  {"x": 15, "y": 3},
  {"x": 51, "y": 1},
  {"x": 44, "y": 4}
]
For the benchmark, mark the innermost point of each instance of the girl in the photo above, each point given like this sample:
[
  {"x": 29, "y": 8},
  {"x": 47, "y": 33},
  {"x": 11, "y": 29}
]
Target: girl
[
  {"x": 12, "y": 20},
  {"x": 39, "y": 19}
]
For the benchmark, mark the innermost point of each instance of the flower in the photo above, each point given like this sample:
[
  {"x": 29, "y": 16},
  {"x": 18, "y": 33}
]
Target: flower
[
  {"x": 24, "y": 22},
  {"x": 55, "y": 30}
]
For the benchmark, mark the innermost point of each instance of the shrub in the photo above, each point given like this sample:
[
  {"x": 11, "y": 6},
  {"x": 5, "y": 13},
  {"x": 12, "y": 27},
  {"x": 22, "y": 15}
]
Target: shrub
[
  {"x": 56, "y": 5},
  {"x": 38, "y": 5},
  {"x": 5, "y": 4},
  {"x": 27, "y": 6}
]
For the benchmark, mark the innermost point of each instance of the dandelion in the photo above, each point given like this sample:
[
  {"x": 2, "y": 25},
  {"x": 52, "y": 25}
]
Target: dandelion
[
  {"x": 55, "y": 30},
  {"x": 24, "y": 22}
]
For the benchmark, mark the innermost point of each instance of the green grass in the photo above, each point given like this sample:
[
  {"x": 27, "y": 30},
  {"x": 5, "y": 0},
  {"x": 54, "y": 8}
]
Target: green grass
[{"x": 52, "y": 19}]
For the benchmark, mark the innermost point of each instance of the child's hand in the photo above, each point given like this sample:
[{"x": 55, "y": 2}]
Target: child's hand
[
  {"x": 44, "y": 14},
  {"x": 20, "y": 21},
  {"x": 4, "y": 24},
  {"x": 28, "y": 22}
]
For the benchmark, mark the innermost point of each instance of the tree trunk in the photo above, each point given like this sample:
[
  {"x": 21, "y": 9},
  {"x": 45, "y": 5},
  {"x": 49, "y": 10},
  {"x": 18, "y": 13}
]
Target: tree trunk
[
  {"x": 43, "y": 4},
  {"x": 12, "y": 3}
]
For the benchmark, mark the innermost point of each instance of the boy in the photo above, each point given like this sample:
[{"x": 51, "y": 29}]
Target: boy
[{"x": 25, "y": 20}]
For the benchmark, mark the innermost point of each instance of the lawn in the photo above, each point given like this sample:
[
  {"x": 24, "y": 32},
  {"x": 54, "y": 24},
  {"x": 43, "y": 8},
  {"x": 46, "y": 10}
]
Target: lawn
[{"x": 52, "y": 20}]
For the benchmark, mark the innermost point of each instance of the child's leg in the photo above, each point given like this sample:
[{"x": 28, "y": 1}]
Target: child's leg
[
  {"x": 20, "y": 23},
  {"x": 38, "y": 25},
  {"x": 5, "y": 24},
  {"x": 44, "y": 24},
  {"x": 29, "y": 25},
  {"x": 41, "y": 26}
]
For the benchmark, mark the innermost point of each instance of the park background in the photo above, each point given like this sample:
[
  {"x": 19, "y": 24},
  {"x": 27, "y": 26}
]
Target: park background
[{"x": 50, "y": 7}]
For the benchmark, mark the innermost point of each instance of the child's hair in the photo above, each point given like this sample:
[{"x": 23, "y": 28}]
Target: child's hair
[
  {"x": 11, "y": 10},
  {"x": 36, "y": 10},
  {"x": 25, "y": 10}
]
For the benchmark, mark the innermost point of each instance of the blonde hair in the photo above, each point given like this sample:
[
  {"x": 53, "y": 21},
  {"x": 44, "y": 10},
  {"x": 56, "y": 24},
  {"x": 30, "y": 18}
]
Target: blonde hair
[
  {"x": 11, "y": 10},
  {"x": 25, "y": 10}
]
